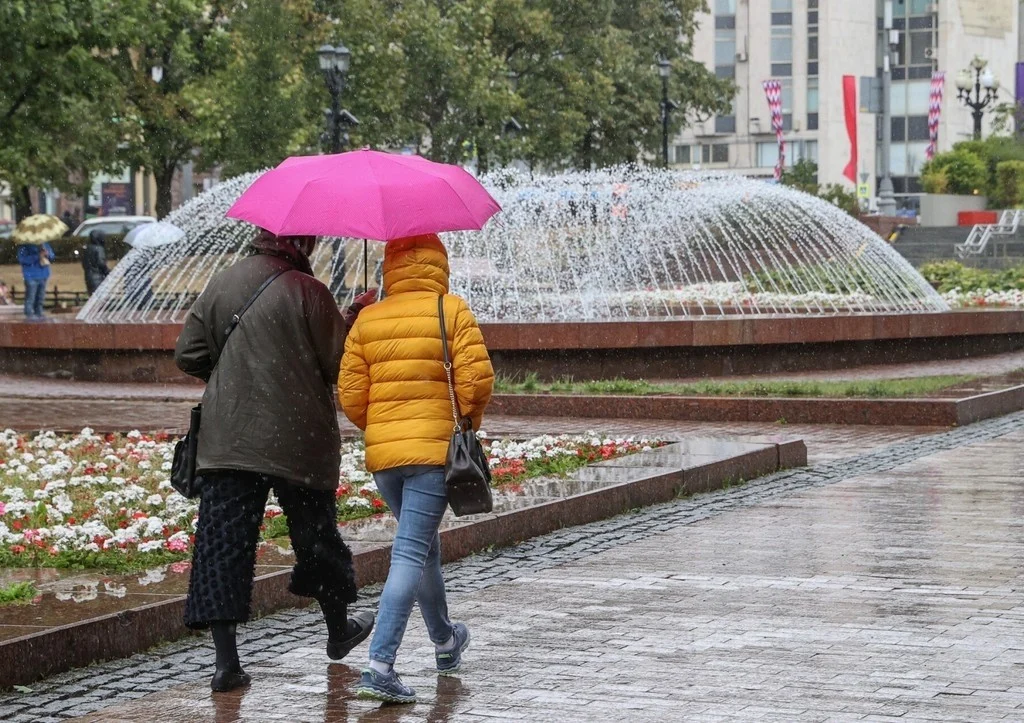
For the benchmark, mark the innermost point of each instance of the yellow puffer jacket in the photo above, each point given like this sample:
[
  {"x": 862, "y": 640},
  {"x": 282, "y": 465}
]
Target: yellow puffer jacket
[{"x": 392, "y": 382}]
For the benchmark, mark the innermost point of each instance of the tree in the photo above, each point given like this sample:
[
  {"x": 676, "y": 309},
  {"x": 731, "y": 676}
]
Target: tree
[
  {"x": 60, "y": 99},
  {"x": 269, "y": 95},
  {"x": 188, "y": 40},
  {"x": 580, "y": 77},
  {"x": 803, "y": 175},
  {"x": 959, "y": 171}
]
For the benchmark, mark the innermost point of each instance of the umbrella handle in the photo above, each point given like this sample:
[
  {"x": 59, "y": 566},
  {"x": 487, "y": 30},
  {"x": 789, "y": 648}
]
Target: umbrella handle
[{"x": 366, "y": 265}]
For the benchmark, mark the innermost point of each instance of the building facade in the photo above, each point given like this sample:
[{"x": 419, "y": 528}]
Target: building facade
[{"x": 809, "y": 45}]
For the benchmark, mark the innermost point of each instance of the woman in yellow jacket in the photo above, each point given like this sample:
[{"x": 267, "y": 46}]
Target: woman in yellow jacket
[{"x": 394, "y": 387}]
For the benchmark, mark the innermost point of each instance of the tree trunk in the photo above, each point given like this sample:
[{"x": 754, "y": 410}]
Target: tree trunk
[
  {"x": 22, "y": 202},
  {"x": 164, "y": 178}
]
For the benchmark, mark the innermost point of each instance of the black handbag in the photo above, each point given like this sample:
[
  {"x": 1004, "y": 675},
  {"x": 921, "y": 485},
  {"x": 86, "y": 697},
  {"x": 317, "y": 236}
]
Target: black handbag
[
  {"x": 467, "y": 475},
  {"x": 186, "y": 451}
]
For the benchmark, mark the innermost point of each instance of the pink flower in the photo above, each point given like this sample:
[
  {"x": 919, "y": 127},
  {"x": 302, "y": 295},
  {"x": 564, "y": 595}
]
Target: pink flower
[
  {"x": 178, "y": 545},
  {"x": 3, "y": 509},
  {"x": 32, "y": 535},
  {"x": 180, "y": 567}
]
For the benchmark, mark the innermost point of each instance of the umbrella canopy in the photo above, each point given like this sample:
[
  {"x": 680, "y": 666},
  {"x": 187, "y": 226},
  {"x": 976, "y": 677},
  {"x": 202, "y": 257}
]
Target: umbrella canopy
[
  {"x": 38, "y": 229},
  {"x": 153, "y": 235},
  {"x": 365, "y": 194}
]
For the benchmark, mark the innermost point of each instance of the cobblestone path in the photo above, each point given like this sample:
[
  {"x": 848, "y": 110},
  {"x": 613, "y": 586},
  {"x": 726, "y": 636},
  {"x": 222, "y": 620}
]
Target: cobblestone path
[{"x": 888, "y": 585}]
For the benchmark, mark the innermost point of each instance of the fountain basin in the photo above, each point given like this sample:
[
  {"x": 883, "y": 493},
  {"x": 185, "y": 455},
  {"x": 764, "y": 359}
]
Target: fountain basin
[{"x": 703, "y": 346}]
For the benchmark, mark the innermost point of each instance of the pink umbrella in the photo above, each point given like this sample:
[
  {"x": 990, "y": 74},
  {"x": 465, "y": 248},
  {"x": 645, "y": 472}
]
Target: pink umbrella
[{"x": 365, "y": 194}]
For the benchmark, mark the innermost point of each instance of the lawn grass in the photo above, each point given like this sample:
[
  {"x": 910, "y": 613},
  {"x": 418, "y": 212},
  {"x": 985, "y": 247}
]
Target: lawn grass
[
  {"x": 869, "y": 389},
  {"x": 18, "y": 593}
]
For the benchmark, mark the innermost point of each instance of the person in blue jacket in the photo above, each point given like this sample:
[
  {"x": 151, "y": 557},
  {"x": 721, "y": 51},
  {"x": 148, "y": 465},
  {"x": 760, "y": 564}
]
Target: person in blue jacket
[{"x": 35, "y": 269}]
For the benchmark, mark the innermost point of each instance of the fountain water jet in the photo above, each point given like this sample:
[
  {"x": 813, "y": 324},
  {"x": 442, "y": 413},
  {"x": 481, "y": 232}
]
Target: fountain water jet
[{"x": 616, "y": 244}]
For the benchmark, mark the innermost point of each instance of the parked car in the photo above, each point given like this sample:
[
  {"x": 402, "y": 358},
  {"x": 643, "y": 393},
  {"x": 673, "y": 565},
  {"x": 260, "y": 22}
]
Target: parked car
[
  {"x": 6, "y": 228},
  {"x": 117, "y": 225}
]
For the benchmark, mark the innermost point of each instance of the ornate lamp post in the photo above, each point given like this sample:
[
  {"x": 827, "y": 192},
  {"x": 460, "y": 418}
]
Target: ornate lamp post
[
  {"x": 986, "y": 90},
  {"x": 334, "y": 64},
  {"x": 667, "y": 106}
]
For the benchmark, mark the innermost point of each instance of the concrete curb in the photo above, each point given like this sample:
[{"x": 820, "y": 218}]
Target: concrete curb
[{"x": 879, "y": 412}]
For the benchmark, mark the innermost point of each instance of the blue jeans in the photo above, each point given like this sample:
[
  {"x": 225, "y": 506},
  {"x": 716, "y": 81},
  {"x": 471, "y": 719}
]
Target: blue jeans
[
  {"x": 416, "y": 496},
  {"x": 35, "y": 295}
]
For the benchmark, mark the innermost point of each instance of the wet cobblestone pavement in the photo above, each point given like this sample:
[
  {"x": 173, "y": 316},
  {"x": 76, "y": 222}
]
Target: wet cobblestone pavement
[{"x": 886, "y": 585}]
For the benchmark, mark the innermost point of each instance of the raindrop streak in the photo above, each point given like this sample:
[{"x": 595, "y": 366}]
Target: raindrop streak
[{"x": 614, "y": 244}]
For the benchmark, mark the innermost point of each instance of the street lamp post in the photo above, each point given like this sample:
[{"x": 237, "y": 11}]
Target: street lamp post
[
  {"x": 986, "y": 90},
  {"x": 667, "y": 106},
  {"x": 886, "y": 192},
  {"x": 334, "y": 64}
]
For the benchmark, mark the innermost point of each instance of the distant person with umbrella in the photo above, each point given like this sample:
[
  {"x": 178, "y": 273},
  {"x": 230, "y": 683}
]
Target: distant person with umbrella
[
  {"x": 33, "y": 235},
  {"x": 94, "y": 261}
]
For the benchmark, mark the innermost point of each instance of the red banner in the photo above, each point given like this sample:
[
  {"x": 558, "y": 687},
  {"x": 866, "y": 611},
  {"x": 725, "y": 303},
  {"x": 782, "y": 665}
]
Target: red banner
[{"x": 850, "y": 102}]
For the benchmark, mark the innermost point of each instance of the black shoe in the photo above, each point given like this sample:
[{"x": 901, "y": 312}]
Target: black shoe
[
  {"x": 225, "y": 680},
  {"x": 356, "y": 631}
]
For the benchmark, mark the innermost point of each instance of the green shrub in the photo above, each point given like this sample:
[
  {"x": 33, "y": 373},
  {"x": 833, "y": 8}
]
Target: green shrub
[
  {"x": 965, "y": 172},
  {"x": 992, "y": 151},
  {"x": 936, "y": 181},
  {"x": 1009, "y": 192},
  {"x": 64, "y": 249},
  {"x": 948, "y": 275}
]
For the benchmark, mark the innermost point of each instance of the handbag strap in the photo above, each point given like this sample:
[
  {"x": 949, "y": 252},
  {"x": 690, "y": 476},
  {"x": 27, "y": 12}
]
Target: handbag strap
[
  {"x": 236, "y": 318},
  {"x": 448, "y": 363}
]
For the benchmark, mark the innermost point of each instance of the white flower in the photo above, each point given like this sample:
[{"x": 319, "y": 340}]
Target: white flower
[{"x": 358, "y": 502}]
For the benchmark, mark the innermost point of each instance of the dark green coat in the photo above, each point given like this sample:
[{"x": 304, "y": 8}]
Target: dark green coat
[{"x": 269, "y": 404}]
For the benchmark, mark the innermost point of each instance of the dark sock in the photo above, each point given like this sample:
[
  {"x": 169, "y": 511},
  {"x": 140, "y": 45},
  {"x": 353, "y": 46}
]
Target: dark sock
[
  {"x": 336, "y": 617},
  {"x": 224, "y": 641}
]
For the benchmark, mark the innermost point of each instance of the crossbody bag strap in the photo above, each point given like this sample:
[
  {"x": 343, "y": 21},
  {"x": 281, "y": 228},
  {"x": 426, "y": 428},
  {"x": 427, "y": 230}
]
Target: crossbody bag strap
[
  {"x": 236, "y": 318},
  {"x": 448, "y": 362}
]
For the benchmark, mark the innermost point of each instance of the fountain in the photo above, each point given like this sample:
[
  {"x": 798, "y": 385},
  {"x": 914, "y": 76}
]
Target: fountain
[{"x": 617, "y": 244}]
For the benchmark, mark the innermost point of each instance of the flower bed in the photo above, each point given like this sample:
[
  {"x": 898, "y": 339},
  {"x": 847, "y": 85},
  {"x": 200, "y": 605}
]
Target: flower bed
[
  {"x": 985, "y": 299},
  {"x": 97, "y": 501}
]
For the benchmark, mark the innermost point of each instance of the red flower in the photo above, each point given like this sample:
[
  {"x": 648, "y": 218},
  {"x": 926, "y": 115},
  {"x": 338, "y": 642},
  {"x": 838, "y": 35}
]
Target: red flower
[
  {"x": 271, "y": 514},
  {"x": 343, "y": 491},
  {"x": 378, "y": 504},
  {"x": 123, "y": 524},
  {"x": 71, "y": 520},
  {"x": 139, "y": 515},
  {"x": 90, "y": 471},
  {"x": 99, "y": 540},
  {"x": 17, "y": 549},
  {"x": 16, "y": 525}
]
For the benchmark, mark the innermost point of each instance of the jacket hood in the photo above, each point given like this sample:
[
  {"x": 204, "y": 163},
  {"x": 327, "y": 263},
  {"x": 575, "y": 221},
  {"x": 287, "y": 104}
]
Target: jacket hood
[
  {"x": 415, "y": 263},
  {"x": 283, "y": 247}
]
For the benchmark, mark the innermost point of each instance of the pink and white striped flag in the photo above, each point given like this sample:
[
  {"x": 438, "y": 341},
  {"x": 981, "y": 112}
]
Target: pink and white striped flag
[
  {"x": 935, "y": 112},
  {"x": 773, "y": 91}
]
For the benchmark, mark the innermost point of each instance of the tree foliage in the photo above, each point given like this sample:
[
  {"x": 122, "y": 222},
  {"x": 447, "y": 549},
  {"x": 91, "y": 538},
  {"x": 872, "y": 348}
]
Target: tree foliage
[
  {"x": 241, "y": 86},
  {"x": 60, "y": 96}
]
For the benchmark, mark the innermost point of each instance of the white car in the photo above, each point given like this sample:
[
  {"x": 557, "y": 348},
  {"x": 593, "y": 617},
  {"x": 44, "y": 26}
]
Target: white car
[{"x": 114, "y": 225}]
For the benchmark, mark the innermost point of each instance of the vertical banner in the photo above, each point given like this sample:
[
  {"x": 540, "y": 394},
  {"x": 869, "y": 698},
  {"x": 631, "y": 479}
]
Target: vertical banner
[
  {"x": 1020, "y": 100},
  {"x": 850, "y": 106},
  {"x": 773, "y": 91},
  {"x": 935, "y": 113}
]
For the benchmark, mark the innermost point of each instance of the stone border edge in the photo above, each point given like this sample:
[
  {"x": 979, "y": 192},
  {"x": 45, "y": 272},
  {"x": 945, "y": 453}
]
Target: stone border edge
[
  {"x": 876, "y": 412},
  {"x": 29, "y": 658}
]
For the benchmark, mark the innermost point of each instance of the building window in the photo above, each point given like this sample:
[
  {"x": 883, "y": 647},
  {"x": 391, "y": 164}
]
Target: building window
[
  {"x": 682, "y": 155},
  {"x": 725, "y": 39},
  {"x": 917, "y": 128},
  {"x": 715, "y": 153},
  {"x": 767, "y": 155},
  {"x": 782, "y": 6},
  {"x": 812, "y": 121},
  {"x": 725, "y": 124},
  {"x": 725, "y": 7}
]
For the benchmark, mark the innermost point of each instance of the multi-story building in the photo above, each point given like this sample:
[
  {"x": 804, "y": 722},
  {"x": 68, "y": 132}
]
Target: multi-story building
[{"x": 809, "y": 45}]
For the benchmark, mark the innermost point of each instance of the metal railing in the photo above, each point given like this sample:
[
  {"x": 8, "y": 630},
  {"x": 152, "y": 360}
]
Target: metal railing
[{"x": 980, "y": 236}]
